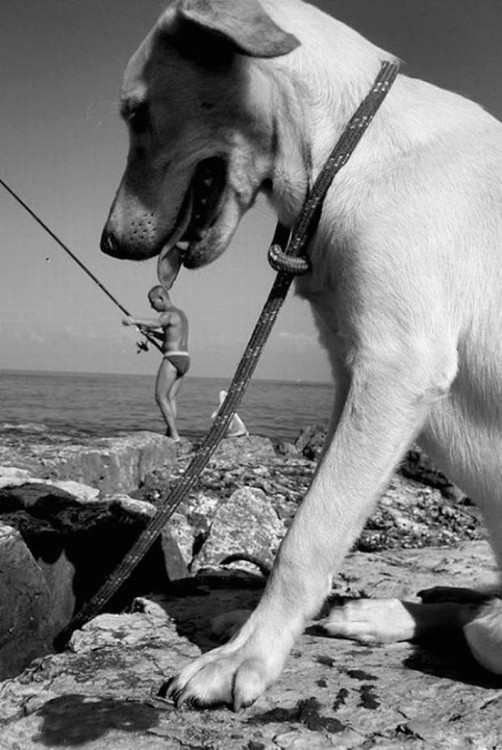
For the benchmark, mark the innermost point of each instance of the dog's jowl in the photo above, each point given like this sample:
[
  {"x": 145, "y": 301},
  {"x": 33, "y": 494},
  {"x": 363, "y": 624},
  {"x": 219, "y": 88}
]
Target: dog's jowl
[{"x": 226, "y": 99}]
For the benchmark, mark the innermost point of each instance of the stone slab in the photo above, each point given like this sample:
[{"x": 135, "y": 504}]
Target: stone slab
[
  {"x": 114, "y": 464},
  {"x": 333, "y": 694}
]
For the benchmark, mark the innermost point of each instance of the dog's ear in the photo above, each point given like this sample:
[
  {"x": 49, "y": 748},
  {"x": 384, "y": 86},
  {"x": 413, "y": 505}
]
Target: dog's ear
[{"x": 243, "y": 24}]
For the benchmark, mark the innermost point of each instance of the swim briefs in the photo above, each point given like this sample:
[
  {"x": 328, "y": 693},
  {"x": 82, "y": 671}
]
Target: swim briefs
[{"x": 179, "y": 360}]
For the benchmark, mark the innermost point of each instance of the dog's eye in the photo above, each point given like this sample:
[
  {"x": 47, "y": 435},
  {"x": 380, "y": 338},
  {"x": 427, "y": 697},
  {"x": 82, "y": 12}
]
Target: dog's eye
[{"x": 138, "y": 119}]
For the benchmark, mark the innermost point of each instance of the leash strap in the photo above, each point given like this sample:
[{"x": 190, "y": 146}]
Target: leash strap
[{"x": 302, "y": 232}]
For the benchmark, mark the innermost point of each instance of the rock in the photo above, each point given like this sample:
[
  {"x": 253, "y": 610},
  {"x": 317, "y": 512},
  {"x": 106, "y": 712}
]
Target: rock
[
  {"x": 174, "y": 562},
  {"x": 418, "y": 466},
  {"x": 245, "y": 523},
  {"x": 56, "y": 549},
  {"x": 64, "y": 538},
  {"x": 12, "y": 477},
  {"x": 185, "y": 536},
  {"x": 103, "y": 693},
  {"x": 31, "y": 605},
  {"x": 411, "y": 514},
  {"x": 311, "y": 440},
  {"x": 286, "y": 449},
  {"x": 243, "y": 449},
  {"x": 117, "y": 464}
]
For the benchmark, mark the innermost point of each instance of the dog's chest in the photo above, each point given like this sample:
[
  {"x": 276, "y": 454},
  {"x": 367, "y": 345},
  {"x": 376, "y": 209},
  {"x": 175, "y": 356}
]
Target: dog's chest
[{"x": 328, "y": 316}]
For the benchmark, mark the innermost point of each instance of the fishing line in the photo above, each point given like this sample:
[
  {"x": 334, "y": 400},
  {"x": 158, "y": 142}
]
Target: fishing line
[{"x": 72, "y": 255}]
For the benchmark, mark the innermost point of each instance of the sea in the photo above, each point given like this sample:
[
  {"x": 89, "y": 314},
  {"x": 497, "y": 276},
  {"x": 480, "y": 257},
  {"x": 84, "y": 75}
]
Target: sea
[{"x": 106, "y": 404}]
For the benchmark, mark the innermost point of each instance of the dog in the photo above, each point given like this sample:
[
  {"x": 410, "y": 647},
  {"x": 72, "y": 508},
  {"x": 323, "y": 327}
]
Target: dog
[{"x": 228, "y": 99}]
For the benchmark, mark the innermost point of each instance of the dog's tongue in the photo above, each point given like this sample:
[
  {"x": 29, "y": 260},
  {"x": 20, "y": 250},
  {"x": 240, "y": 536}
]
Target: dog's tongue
[
  {"x": 170, "y": 258},
  {"x": 168, "y": 265}
]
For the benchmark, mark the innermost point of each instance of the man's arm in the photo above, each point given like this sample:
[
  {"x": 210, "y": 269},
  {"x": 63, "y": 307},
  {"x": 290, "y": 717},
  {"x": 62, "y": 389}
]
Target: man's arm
[{"x": 150, "y": 323}]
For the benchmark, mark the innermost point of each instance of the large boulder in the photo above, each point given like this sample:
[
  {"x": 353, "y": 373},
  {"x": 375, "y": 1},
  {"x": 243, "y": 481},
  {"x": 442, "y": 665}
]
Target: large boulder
[
  {"x": 103, "y": 692},
  {"x": 58, "y": 543},
  {"x": 245, "y": 524},
  {"x": 32, "y": 605},
  {"x": 115, "y": 464},
  {"x": 243, "y": 449},
  {"x": 310, "y": 441}
]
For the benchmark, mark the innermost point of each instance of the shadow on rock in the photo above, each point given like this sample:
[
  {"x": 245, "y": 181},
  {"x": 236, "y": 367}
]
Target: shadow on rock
[
  {"x": 306, "y": 712},
  {"x": 74, "y": 720},
  {"x": 93, "y": 537},
  {"x": 447, "y": 655},
  {"x": 57, "y": 551},
  {"x": 194, "y": 602}
]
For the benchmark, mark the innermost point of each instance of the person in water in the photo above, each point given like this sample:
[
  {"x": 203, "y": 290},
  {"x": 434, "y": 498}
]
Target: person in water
[{"x": 175, "y": 363}]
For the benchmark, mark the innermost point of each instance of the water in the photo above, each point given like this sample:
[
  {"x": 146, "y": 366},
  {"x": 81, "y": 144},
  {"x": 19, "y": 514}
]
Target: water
[{"x": 104, "y": 405}]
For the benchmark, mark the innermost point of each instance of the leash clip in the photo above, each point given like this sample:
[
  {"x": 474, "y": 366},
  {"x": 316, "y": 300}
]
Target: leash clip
[{"x": 284, "y": 263}]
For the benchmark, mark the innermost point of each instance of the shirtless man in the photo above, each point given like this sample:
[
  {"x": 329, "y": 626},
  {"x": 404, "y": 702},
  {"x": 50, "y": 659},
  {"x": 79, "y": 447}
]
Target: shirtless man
[{"x": 175, "y": 361}]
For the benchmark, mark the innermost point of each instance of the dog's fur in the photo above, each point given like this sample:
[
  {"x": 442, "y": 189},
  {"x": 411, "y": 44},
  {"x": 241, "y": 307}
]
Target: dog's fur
[{"x": 406, "y": 282}]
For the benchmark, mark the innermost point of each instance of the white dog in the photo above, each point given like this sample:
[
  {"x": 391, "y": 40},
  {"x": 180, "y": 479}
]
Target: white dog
[{"x": 229, "y": 98}]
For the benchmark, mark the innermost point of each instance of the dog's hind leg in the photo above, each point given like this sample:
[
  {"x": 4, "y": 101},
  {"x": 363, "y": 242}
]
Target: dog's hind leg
[
  {"x": 393, "y": 620},
  {"x": 462, "y": 437},
  {"x": 483, "y": 632},
  {"x": 464, "y": 440},
  {"x": 479, "y": 615}
]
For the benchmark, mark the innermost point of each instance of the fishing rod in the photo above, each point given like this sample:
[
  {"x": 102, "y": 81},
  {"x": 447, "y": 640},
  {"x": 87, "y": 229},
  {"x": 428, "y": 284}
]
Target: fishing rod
[{"x": 77, "y": 260}]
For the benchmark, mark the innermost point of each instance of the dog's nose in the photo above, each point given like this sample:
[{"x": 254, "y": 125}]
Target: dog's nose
[{"x": 109, "y": 244}]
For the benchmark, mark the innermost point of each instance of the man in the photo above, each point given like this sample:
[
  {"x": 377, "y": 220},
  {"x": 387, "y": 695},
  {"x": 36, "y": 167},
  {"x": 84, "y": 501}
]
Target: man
[{"x": 175, "y": 361}]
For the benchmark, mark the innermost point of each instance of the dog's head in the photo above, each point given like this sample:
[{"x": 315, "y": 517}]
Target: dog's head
[{"x": 201, "y": 128}]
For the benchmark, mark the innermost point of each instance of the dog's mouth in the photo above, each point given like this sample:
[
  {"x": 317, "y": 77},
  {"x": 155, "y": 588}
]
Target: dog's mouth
[{"x": 198, "y": 213}]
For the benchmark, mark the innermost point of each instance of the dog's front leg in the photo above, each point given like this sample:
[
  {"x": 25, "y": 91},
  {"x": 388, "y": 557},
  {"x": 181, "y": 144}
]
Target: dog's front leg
[{"x": 385, "y": 407}]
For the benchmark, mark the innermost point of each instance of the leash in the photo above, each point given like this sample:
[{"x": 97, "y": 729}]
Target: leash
[
  {"x": 285, "y": 257},
  {"x": 79, "y": 263}
]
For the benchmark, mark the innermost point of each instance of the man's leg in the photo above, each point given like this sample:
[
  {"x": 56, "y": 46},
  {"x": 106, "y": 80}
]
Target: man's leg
[
  {"x": 173, "y": 392},
  {"x": 166, "y": 377}
]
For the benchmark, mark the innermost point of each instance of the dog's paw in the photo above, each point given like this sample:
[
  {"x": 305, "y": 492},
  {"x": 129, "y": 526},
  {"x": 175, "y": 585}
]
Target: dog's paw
[
  {"x": 370, "y": 621},
  {"x": 235, "y": 674},
  {"x": 220, "y": 679}
]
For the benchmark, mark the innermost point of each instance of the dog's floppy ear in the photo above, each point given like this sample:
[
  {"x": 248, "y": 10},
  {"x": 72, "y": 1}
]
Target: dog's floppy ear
[{"x": 243, "y": 24}]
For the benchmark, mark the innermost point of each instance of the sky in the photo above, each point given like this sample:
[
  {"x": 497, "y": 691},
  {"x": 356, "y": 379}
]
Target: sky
[{"x": 63, "y": 149}]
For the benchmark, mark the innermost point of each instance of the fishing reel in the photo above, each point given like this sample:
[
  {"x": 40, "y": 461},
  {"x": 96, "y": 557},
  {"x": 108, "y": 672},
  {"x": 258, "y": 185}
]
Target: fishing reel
[{"x": 142, "y": 346}]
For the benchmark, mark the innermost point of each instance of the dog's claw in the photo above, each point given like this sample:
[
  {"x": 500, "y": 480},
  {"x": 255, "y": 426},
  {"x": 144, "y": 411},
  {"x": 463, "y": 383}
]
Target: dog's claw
[
  {"x": 168, "y": 690},
  {"x": 171, "y": 691}
]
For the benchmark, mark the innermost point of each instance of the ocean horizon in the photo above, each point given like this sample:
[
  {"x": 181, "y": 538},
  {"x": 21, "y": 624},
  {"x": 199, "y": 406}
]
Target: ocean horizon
[{"x": 105, "y": 404}]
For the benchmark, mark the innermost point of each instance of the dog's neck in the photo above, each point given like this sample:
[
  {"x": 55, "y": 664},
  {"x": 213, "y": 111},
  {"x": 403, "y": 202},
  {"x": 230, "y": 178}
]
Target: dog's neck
[{"x": 315, "y": 93}]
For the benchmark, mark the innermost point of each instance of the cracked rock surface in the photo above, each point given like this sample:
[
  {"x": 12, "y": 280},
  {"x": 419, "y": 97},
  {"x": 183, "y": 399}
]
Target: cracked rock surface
[
  {"x": 103, "y": 692},
  {"x": 333, "y": 694}
]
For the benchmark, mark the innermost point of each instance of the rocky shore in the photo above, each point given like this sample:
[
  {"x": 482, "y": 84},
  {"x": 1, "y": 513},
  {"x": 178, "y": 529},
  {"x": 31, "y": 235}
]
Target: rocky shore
[{"x": 70, "y": 507}]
